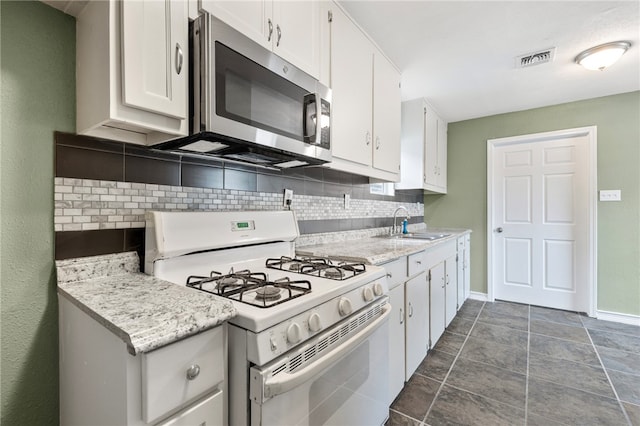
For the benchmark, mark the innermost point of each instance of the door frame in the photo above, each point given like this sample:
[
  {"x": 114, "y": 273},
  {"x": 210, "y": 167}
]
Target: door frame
[{"x": 592, "y": 176}]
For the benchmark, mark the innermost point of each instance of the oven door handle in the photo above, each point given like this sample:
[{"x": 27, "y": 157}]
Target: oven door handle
[{"x": 286, "y": 382}]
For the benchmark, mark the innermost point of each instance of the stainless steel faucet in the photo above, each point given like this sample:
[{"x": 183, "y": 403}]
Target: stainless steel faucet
[{"x": 395, "y": 214}]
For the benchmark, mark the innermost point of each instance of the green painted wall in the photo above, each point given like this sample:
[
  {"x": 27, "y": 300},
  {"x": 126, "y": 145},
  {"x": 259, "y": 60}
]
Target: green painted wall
[
  {"x": 618, "y": 120},
  {"x": 38, "y": 97}
]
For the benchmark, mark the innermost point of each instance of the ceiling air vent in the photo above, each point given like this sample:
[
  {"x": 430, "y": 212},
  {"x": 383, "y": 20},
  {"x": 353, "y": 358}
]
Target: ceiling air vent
[{"x": 535, "y": 58}]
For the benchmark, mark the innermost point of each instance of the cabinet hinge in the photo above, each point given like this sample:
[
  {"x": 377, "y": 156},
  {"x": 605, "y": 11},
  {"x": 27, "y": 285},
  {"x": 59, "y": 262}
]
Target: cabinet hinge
[{"x": 330, "y": 16}]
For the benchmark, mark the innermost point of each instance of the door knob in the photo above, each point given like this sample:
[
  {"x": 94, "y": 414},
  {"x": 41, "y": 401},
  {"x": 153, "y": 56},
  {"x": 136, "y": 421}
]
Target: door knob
[{"x": 499, "y": 229}]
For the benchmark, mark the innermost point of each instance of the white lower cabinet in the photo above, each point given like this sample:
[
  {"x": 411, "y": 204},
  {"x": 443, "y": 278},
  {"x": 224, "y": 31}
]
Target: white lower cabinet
[
  {"x": 467, "y": 267},
  {"x": 396, "y": 342},
  {"x": 425, "y": 293},
  {"x": 101, "y": 383},
  {"x": 437, "y": 287},
  {"x": 451, "y": 287},
  {"x": 464, "y": 268},
  {"x": 417, "y": 322}
]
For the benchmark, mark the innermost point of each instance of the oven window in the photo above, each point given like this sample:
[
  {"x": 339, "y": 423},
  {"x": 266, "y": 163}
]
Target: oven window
[{"x": 254, "y": 95}]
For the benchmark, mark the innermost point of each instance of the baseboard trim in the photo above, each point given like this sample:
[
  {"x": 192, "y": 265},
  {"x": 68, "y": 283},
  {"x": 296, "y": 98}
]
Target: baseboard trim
[
  {"x": 618, "y": 317},
  {"x": 484, "y": 297}
]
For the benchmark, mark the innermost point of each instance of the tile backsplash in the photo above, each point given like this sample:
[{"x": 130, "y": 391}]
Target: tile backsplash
[
  {"x": 102, "y": 190},
  {"x": 87, "y": 204}
]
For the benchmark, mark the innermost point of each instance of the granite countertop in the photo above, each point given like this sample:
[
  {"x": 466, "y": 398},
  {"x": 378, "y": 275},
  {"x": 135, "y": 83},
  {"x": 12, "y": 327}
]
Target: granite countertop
[
  {"x": 144, "y": 311},
  {"x": 377, "y": 250}
]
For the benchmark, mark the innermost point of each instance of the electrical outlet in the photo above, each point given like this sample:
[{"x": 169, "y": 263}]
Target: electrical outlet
[
  {"x": 347, "y": 201},
  {"x": 610, "y": 195},
  {"x": 288, "y": 198}
]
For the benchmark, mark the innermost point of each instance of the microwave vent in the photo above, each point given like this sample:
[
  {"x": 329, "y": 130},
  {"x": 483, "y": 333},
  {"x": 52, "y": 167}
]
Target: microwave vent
[{"x": 536, "y": 58}]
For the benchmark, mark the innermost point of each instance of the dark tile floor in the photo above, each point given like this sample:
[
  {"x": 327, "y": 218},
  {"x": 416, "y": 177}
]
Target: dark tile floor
[{"x": 510, "y": 364}]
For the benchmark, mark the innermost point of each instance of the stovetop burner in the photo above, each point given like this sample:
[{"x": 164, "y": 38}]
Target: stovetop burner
[
  {"x": 252, "y": 288},
  {"x": 319, "y": 267},
  {"x": 268, "y": 292}
]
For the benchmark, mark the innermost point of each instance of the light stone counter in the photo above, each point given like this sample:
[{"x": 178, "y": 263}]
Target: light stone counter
[
  {"x": 145, "y": 312},
  {"x": 376, "y": 250}
]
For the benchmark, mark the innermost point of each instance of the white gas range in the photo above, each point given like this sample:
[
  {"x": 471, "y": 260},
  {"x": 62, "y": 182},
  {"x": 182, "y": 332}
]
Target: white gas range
[{"x": 309, "y": 343}]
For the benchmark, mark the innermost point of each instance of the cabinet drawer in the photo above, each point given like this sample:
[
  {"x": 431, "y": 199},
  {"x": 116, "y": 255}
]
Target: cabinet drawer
[
  {"x": 207, "y": 412},
  {"x": 396, "y": 272},
  {"x": 416, "y": 263},
  {"x": 165, "y": 381}
]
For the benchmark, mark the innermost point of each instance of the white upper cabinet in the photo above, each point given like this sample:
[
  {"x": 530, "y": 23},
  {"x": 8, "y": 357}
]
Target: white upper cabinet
[
  {"x": 155, "y": 54},
  {"x": 424, "y": 148},
  {"x": 291, "y": 29},
  {"x": 386, "y": 113},
  {"x": 366, "y": 102},
  {"x": 352, "y": 91},
  {"x": 132, "y": 70}
]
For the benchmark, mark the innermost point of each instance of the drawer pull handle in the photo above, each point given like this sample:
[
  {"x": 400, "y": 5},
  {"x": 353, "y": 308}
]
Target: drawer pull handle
[
  {"x": 389, "y": 275},
  {"x": 193, "y": 372}
]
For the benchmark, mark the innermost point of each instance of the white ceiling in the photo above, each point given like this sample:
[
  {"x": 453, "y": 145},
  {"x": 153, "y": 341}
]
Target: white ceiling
[{"x": 460, "y": 55}]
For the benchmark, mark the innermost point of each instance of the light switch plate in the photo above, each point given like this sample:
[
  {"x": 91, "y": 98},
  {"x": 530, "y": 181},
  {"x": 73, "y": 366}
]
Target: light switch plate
[{"x": 610, "y": 195}]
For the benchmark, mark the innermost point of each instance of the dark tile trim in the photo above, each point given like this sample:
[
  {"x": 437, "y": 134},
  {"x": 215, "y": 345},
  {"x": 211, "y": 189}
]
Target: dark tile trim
[
  {"x": 336, "y": 225},
  {"x": 85, "y": 157},
  {"x": 72, "y": 244}
]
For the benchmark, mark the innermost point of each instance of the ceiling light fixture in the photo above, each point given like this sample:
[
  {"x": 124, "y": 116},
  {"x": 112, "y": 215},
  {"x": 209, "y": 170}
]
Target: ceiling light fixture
[{"x": 600, "y": 57}]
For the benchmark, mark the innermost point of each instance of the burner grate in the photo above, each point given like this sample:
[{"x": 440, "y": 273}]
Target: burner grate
[
  {"x": 319, "y": 267},
  {"x": 252, "y": 288}
]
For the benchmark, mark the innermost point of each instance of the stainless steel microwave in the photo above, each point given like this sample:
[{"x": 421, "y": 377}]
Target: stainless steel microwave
[{"x": 250, "y": 105}]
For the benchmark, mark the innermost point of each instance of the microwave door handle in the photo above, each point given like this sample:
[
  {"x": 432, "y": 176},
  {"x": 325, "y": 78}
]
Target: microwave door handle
[
  {"x": 318, "y": 138},
  {"x": 263, "y": 389},
  {"x": 311, "y": 98}
]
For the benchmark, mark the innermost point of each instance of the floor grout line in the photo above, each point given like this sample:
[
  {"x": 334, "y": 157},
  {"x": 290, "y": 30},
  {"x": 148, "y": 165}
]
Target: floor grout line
[
  {"x": 527, "y": 414},
  {"x": 604, "y": 368},
  {"x": 452, "y": 364}
]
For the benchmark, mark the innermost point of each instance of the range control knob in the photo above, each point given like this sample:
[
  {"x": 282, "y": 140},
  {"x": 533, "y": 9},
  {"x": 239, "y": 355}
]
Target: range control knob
[
  {"x": 367, "y": 294},
  {"x": 274, "y": 343},
  {"x": 293, "y": 333},
  {"x": 344, "y": 307},
  {"x": 314, "y": 322},
  {"x": 377, "y": 289}
]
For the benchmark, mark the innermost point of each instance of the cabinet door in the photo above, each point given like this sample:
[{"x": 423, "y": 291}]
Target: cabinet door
[
  {"x": 296, "y": 35},
  {"x": 431, "y": 149},
  {"x": 155, "y": 58},
  {"x": 451, "y": 288},
  {"x": 461, "y": 268},
  {"x": 467, "y": 266},
  {"x": 396, "y": 342},
  {"x": 417, "y": 322},
  {"x": 250, "y": 17},
  {"x": 386, "y": 115},
  {"x": 352, "y": 91},
  {"x": 437, "y": 302}
]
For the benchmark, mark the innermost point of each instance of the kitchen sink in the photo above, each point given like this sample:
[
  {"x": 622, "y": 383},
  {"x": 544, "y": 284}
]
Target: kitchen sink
[{"x": 428, "y": 236}]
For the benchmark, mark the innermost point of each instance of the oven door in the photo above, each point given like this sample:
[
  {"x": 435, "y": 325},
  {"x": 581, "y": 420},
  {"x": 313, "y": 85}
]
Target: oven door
[{"x": 338, "y": 378}]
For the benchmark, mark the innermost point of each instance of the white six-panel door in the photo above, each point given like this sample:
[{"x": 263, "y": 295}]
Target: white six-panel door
[{"x": 541, "y": 233}]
